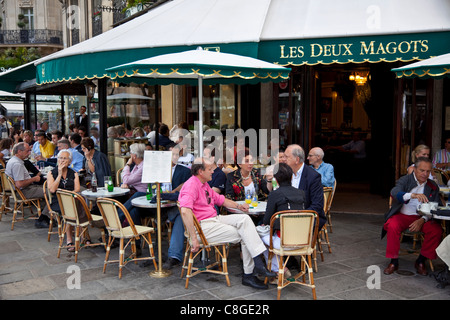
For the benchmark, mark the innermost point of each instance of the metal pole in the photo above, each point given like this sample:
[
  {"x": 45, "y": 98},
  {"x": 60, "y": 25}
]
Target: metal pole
[
  {"x": 200, "y": 115},
  {"x": 160, "y": 273}
]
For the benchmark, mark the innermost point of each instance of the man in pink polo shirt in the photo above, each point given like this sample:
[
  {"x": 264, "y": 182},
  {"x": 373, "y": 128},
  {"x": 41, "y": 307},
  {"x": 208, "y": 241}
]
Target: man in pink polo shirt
[{"x": 197, "y": 197}]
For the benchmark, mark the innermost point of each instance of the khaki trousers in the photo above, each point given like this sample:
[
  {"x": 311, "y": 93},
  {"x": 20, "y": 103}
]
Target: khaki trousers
[{"x": 235, "y": 228}]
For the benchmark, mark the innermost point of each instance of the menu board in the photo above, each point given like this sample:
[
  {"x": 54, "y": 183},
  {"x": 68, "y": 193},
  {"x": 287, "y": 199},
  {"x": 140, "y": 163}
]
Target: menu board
[{"x": 157, "y": 167}]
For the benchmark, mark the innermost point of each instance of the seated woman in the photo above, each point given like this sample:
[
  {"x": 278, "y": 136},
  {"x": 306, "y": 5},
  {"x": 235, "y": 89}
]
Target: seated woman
[
  {"x": 246, "y": 179},
  {"x": 420, "y": 151},
  {"x": 63, "y": 177},
  {"x": 95, "y": 161},
  {"x": 286, "y": 197},
  {"x": 6, "y": 145}
]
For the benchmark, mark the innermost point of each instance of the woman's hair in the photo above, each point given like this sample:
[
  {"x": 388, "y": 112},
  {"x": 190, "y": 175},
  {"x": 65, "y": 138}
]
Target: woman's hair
[
  {"x": 138, "y": 149},
  {"x": 65, "y": 150},
  {"x": 138, "y": 131},
  {"x": 88, "y": 143},
  {"x": 417, "y": 150},
  {"x": 6, "y": 143},
  {"x": 284, "y": 173}
]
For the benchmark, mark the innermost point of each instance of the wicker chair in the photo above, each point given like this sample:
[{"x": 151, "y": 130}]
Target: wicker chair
[
  {"x": 322, "y": 237},
  {"x": 53, "y": 214},
  {"x": 108, "y": 208},
  {"x": 6, "y": 194},
  {"x": 70, "y": 203},
  {"x": 298, "y": 233},
  {"x": 220, "y": 250},
  {"x": 20, "y": 201}
]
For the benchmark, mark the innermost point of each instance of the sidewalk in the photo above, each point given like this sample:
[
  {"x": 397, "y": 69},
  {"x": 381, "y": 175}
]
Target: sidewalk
[{"x": 29, "y": 269}]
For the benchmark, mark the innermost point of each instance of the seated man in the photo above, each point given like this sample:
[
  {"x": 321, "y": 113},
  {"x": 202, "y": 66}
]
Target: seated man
[
  {"x": 409, "y": 191},
  {"x": 197, "y": 197},
  {"x": 16, "y": 169},
  {"x": 46, "y": 147},
  {"x": 326, "y": 170}
]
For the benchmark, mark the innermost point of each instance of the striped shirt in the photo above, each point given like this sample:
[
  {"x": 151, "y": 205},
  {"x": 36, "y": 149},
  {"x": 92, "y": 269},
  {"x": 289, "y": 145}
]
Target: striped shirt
[{"x": 442, "y": 156}]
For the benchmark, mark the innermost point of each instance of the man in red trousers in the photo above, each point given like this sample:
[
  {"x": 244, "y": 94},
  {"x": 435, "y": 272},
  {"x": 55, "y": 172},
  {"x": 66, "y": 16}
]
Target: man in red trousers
[{"x": 410, "y": 191}]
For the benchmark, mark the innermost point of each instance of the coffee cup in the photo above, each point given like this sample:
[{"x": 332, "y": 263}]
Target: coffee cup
[
  {"x": 424, "y": 207},
  {"x": 433, "y": 205}
]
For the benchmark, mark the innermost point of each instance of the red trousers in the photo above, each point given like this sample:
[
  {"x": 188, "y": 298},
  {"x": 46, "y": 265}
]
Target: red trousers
[{"x": 400, "y": 222}]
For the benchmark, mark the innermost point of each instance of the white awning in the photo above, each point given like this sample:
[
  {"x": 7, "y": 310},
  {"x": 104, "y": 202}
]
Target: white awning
[{"x": 199, "y": 22}]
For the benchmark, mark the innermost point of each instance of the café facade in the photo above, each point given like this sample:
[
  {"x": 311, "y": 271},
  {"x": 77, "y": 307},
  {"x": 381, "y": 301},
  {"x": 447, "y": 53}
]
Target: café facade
[{"x": 341, "y": 54}]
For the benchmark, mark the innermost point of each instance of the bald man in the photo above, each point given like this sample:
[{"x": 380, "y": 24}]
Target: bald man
[{"x": 326, "y": 170}]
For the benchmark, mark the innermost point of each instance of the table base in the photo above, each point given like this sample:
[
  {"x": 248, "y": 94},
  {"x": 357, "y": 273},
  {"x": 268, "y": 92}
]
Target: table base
[{"x": 160, "y": 274}]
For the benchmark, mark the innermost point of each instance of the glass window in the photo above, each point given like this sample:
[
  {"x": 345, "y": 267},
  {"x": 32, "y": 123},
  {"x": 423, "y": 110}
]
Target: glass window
[{"x": 218, "y": 107}]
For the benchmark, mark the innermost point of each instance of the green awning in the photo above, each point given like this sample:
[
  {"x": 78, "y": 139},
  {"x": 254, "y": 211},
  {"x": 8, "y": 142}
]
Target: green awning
[
  {"x": 11, "y": 79},
  {"x": 92, "y": 65},
  {"x": 379, "y": 48},
  {"x": 436, "y": 67}
]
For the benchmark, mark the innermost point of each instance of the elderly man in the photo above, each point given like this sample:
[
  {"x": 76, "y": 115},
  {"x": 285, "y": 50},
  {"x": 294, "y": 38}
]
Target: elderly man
[
  {"x": 409, "y": 191},
  {"x": 16, "y": 169},
  {"x": 326, "y": 170},
  {"x": 197, "y": 197},
  {"x": 306, "y": 179}
]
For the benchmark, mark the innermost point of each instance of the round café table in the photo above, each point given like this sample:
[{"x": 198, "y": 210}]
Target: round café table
[
  {"x": 103, "y": 193},
  {"x": 142, "y": 202},
  {"x": 260, "y": 209}
]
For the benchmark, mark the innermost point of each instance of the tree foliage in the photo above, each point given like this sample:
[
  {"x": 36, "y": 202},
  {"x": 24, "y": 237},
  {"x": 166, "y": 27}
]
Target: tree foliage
[{"x": 14, "y": 57}]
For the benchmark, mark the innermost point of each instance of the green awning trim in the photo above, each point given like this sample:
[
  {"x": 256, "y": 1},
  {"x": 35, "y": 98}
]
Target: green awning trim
[
  {"x": 92, "y": 65},
  {"x": 436, "y": 67},
  {"x": 373, "y": 49}
]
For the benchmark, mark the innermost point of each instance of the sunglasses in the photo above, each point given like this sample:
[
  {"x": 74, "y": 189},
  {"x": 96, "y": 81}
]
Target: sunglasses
[{"x": 208, "y": 198}]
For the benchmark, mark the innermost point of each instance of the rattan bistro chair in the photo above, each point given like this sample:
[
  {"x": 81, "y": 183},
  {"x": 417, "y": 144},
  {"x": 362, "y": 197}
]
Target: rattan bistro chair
[
  {"x": 108, "y": 208},
  {"x": 20, "y": 201},
  {"x": 53, "y": 214},
  {"x": 220, "y": 250},
  {"x": 6, "y": 194},
  {"x": 322, "y": 237},
  {"x": 298, "y": 233},
  {"x": 70, "y": 203}
]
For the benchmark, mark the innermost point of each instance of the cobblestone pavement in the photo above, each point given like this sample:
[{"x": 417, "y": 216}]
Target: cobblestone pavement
[{"x": 29, "y": 269}]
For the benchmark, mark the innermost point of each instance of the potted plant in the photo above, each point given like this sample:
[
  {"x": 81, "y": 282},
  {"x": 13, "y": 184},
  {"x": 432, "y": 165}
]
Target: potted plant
[{"x": 22, "y": 23}]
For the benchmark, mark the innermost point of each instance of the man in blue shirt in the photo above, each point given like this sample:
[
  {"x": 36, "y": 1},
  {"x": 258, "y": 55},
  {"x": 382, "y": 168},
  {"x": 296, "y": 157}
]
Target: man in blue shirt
[{"x": 326, "y": 170}]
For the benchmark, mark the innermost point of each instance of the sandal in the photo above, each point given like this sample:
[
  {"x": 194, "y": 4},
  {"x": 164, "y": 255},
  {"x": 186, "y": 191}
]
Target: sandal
[{"x": 71, "y": 247}]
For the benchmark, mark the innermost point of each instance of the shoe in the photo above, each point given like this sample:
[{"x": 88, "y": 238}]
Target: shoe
[
  {"x": 390, "y": 269},
  {"x": 41, "y": 224},
  {"x": 421, "y": 269},
  {"x": 170, "y": 263},
  {"x": 252, "y": 281},
  {"x": 262, "y": 271}
]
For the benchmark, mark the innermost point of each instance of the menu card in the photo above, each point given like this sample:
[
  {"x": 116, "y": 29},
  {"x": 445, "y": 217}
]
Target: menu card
[{"x": 157, "y": 167}]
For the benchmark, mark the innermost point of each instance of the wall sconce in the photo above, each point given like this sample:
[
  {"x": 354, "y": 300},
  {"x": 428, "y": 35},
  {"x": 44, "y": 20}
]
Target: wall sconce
[{"x": 90, "y": 89}]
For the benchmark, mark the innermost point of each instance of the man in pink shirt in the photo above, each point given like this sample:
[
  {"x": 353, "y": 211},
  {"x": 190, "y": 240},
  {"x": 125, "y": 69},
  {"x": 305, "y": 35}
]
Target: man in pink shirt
[{"x": 197, "y": 197}]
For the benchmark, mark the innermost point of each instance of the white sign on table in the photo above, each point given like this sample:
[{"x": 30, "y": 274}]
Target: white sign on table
[{"x": 157, "y": 167}]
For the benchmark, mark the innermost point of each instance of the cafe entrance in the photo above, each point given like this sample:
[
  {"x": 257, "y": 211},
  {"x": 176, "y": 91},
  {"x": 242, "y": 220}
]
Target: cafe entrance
[{"x": 328, "y": 106}]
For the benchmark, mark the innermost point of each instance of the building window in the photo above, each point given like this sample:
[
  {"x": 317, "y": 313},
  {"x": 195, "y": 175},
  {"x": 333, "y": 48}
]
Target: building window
[{"x": 29, "y": 17}]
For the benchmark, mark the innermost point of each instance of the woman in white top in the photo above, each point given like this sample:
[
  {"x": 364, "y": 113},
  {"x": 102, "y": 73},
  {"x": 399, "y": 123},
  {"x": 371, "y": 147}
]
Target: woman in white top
[{"x": 420, "y": 151}]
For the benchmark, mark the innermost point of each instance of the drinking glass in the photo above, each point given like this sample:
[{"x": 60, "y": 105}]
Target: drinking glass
[
  {"x": 248, "y": 197},
  {"x": 107, "y": 178}
]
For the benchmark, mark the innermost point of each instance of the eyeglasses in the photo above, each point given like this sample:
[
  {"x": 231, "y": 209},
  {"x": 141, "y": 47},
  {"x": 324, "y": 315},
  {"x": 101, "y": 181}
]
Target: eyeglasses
[
  {"x": 208, "y": 198},
  {"x": 312, "y": 155},
  {"x": 63, "y": 158}
]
